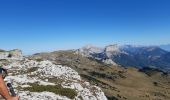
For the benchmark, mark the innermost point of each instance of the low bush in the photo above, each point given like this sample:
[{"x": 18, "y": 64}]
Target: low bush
[
  {"x": 57, "y": 89},
  {"x": 32, "y": 69},
  {"x": 101, "y": 75},
  {"x": 155, "y": 83},
  {"x": 112, "y": 98},
  {"x": 39, "y": 59}
]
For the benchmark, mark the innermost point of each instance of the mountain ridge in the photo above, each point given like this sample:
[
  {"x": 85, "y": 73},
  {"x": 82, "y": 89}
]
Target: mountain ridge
[
  {"x": 128, "y": 55},
  {"x": 165, "y": 47}
]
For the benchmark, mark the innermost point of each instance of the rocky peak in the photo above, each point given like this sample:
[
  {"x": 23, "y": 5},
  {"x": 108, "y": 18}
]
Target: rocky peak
[
  {"x": 112, "y": 48},
  {"x": 92, "y": 48},
  {"x": 16, "y": 53},
  {"x": 89, "y": 49}
]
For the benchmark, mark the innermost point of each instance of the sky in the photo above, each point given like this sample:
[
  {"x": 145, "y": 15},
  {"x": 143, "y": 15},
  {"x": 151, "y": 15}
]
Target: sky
[{"x": 47, "y": 25}]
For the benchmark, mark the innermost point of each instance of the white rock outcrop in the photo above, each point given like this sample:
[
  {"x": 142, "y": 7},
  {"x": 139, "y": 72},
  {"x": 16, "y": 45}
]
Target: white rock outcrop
[
  {"x": 13, "y": 54},
  {"x": 41, "y": 73}
]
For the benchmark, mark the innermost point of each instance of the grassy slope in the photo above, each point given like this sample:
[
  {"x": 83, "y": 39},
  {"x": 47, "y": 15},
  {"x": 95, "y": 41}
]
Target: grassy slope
[{"x": 116, "y": 82}]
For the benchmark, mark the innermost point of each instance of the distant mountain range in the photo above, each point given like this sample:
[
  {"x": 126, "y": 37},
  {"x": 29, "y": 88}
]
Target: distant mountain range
[
  {"x": 130, "y": 56},
  {"x": 165, "y": 47}
]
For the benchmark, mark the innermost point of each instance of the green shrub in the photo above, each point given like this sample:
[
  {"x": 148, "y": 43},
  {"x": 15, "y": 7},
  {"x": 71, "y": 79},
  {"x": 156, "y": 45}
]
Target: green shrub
[
  {"x": 32, "y": 69},
  {"x": 112, "y": 98},
  {"x": 155, "y": 83},
  {"x": 57, "y": 89},
  {"x": 101, "y": 75},
  {"x": 3, "y": 60},
  {"x": 39, "y": 59}
]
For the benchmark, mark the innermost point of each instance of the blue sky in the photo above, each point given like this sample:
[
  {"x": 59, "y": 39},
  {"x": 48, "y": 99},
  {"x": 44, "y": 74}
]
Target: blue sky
[{"x": 46, "y": 25}]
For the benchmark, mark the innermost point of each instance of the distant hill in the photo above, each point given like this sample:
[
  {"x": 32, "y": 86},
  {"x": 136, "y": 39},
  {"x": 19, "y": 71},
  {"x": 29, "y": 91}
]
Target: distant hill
[{"x": 2, "y": 50}]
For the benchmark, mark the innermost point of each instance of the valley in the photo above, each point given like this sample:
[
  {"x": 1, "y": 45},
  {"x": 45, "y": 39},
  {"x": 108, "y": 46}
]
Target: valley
[{"x": 117, "y": 82}]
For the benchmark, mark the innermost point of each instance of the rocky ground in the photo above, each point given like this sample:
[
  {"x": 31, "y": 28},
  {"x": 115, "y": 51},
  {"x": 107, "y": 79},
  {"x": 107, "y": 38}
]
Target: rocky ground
[{"x": 43, "y": 80}]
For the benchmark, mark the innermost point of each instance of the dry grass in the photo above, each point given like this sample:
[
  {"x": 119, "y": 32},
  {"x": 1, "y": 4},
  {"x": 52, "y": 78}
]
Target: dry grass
[
  {"x": 57, "y": 89},
  {"x": 115, "y": 81}
]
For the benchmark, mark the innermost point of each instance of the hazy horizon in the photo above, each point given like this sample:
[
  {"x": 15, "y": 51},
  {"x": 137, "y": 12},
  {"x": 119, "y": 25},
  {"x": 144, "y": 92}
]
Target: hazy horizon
[{"x": 57, "y": 49}]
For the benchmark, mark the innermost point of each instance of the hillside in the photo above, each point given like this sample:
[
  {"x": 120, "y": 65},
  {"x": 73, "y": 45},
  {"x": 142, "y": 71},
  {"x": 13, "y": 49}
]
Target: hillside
[
  {"x": 118, "y": 83},
  {"x": 43, "y": 80}
]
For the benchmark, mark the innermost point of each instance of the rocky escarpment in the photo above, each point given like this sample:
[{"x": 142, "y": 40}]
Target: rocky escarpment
[
  {"x": 43, "y": 80},
  {"x": 97, "y": 53},
  {"x": 13, "y": 54}
]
